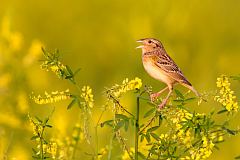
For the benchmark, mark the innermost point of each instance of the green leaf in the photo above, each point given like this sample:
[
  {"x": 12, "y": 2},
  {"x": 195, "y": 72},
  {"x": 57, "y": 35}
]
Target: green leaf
[
  {"x": 160, "y": 120},
  {"x": 222, "y": 111},
  {"x": 152, "y": 129},
  {"x": 44, "y": 52},
  {"x": 46, "y": 120},
  {"x": 179, "y": 94},
  {"x": 126, "y": 125},
  {"x": 237, "y": 77},
  {"x": 39, "y": 120},
  {"x": 178, "y": 100},
  {"x": 155, "y": 136},
  {"x": 108, "y": 122},
  {"x": 190, "y": 99},
  {"x": 212, "y": 113},
  {"x": 132, "y": 121},
  {"x": 147, "y": 136},
  {"x": 78, "y": 102},
  {"x": 121, "y": 116},
  {"x": 72, "y": 103},
  {"x": 238, "y": 157},
  {"x": 36, "y": 157},
  {"x": 148, "y": 113},
  {"x": 151, "y": 104},
  {"x": 34, "y": 151},
  {"x": 119, "y": 125},
  {"x": 142, "y": 137},
  {"x": 69, "y": 70},
  {"x": 141, "y": 155},
  {"x": 76, "y": 72},
  {"x": 230, "y": 131},
  {"x": 34, "y": 137},
  {"x": 141, "y": 126},
  {"x": 49, "y": 126},
  {"x": 68, "y": 77}
]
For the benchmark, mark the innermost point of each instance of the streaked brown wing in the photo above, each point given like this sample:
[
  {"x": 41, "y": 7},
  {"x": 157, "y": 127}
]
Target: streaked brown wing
[{"x": 169, "y": 66}]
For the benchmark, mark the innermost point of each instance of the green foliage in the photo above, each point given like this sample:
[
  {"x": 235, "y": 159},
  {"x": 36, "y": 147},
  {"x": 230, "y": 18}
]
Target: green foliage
[
  {"x": 44, "y": 148},
  {"x": 178, "y": 134}
]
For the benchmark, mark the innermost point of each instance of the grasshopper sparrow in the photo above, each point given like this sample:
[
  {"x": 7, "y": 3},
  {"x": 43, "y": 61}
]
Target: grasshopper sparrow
[{"x": 160, "y": 66}]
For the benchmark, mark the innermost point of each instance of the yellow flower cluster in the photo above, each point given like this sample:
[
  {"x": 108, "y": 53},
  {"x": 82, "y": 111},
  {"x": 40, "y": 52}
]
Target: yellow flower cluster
[
  {"x": 77, "y": 134},
  {"x": 217, "y": 136},
  {"x": 51, "y": 98},
  {"x": 126, "y": 156},
  {"x": 87, "y": 96},
  {"x": 163, "y": 137},
  {"x": 102, "y": 152},
  {"x": 13, "y": 40},
  {"x": 226, "y": 97},
  {"x": 37, "y": 129},
  {"x": 127, "y": 86},
  {"x": 50, "y": 148},
  {"x": 56, "y": 67},
  {"x": 177, "y": 118},
  {"x": 202, "y": 152}
]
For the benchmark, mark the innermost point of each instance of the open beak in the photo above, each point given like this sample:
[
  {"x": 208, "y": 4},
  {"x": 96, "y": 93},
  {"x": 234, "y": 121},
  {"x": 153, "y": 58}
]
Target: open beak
[{"x": 140, "y": 41}]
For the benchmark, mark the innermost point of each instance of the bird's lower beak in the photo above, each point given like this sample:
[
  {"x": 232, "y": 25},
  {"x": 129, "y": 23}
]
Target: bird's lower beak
[
  {"x": 139, "y": 47},
  {"x": 140, "y": 41}
]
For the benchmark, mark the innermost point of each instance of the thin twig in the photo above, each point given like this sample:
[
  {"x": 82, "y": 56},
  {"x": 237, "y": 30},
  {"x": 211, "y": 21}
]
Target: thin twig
[
  {"x": 118, "y": 103},
  {"x": 96, "y": 132},
  {"x": 118, "y": 135},
  {"x": 149, "y": 123}
]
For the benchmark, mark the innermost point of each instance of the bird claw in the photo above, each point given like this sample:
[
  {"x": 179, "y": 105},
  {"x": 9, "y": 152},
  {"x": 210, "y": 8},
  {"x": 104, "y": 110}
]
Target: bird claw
[
  {"x": 154, "y": 96},
  {"x": 163, "y": 104}
]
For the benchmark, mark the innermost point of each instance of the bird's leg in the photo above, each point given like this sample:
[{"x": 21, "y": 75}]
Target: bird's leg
[
  {"x": 164, "y": 102},
  {"x": 155, "y": 95}
]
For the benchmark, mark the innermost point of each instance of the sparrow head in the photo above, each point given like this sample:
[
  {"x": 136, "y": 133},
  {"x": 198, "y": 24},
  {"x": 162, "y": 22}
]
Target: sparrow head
[{"x": 149, "y": 44}]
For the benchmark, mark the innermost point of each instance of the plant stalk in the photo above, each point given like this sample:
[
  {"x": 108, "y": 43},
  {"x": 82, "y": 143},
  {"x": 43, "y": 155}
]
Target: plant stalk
[{"x": 137, "y": 129}]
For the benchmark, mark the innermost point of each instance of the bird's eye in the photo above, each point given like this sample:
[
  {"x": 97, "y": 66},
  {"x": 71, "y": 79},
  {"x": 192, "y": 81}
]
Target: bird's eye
[{"x": 149, "y": 41}]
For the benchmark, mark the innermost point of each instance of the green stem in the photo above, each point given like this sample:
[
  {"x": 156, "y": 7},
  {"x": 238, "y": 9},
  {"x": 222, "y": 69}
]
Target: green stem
[
  {"x": 110, "y": 147},
  {"x": 96, "y": 133},
  {"x": 41, "y": 146},
  {"x": 41, "y": 143},
  {"x": 137, "y": 129}
]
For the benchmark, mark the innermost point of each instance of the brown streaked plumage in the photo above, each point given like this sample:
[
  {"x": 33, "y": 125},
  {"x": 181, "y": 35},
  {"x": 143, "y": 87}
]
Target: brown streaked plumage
[{"x": 160, "y": 66}]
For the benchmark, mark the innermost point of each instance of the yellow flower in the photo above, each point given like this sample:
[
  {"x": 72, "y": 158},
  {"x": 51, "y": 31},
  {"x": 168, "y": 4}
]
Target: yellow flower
[
  {"x": 14, "y": 39},
  {"x": 163, "y": 136},
  {"x": 226, "y": 97},
  {"x": 37, "y": 129},
  {"x": 102, "y": 152},
  {"x": 33, "y": 53},
  {"x": 52, "y": 149},
  {"x": 87, "y": 96},
  {"x": 126, "y": 156},
  {"x": 220, "y": 138},
  {"x": 52, "y": 64},
  {"x": 51, "y": 98},
  {"x": 126, "y": 86},
  {"x": 204, "y": 151}
]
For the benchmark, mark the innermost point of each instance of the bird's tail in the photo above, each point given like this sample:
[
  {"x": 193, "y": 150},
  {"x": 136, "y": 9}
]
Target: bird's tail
[
  {"x": 195, "y": 91},
  {"x": 192, "y": 89}
]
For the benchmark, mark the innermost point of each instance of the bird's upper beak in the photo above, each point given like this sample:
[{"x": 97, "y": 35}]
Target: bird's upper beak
[{"x": 140, "y": 41}]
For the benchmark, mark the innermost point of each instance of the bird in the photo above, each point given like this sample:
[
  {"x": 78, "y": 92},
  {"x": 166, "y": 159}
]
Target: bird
[{"x": 159, "y": 65}]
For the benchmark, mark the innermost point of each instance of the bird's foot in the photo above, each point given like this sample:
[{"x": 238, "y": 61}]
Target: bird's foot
[
  {"x": 154, "y": 96},
  {"x": 163, "y": 104}
]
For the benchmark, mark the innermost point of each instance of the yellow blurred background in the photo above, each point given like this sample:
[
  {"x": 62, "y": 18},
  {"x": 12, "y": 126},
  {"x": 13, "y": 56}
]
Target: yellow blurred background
[{"x": 100, "y": 37}]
